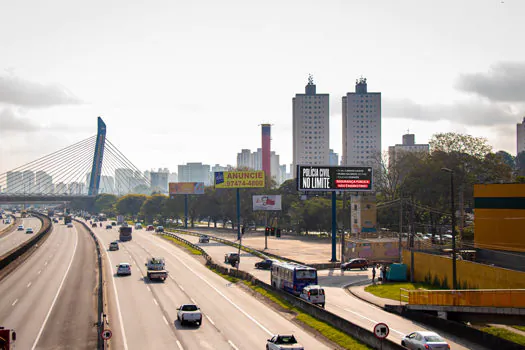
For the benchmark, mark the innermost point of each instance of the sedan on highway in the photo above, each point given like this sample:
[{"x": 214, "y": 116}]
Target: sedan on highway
[
  {"x": 69, "y": 224},
  {"x": 424, "y": 340},
  {"x": 283, "y": 342},
  {"x": 29, "y": 230},
  {"x": 20, "y": 228},
  {"x": 123, "y": 269},
  {"x": 113, "y": 246},
  {"x": 265, "y": 264}
]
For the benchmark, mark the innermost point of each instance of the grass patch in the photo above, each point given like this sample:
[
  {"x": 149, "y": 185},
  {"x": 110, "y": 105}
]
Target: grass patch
[
  {"x": 227, "y": 277},
  {"x": 333, "y": 334},
  {"x": 391, "y": 290},
  {"x": 520, "y": 328},
  {"x": 183, "y": 245},
  {"x": 505, "y": 334}
]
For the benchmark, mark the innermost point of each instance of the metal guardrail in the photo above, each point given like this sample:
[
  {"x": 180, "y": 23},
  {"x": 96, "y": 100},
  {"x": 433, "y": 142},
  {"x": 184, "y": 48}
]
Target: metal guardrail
[{"x": 514, "y": 298}]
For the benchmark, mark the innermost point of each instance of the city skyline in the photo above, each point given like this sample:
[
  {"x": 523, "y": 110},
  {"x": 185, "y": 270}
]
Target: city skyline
[{"x": 149, "y": 85}]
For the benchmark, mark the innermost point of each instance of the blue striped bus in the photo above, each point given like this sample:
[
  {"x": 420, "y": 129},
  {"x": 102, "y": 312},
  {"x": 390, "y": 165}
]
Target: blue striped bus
[{"x": 292, "y": 277}]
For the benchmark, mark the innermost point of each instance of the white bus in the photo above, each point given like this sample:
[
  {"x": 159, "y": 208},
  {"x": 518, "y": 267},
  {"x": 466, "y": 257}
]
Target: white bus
[{"x": 292, "y": 277}]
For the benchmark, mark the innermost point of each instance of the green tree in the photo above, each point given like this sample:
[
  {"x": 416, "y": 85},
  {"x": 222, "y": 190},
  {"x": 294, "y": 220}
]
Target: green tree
[
  {"x": 507, "y": 158},
  {"x": 154, "y": 207},
  {"x": 451, "y": 142},
  {"x": 104, "y": 203},
  {"x": 130, "y": 204}
]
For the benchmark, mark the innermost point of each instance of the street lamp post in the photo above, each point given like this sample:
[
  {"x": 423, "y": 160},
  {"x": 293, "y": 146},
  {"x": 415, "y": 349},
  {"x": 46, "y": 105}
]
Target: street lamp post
[{"x": 453, "y": 213}]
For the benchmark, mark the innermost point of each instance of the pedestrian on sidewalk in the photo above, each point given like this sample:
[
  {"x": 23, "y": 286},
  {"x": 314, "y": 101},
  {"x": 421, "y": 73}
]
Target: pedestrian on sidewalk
[{"x": 373, "y": 273}]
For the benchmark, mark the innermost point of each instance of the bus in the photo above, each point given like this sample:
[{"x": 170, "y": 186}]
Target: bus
[
  {"x": 292, "y": 277},
  {"x": 125, "y": 233}
]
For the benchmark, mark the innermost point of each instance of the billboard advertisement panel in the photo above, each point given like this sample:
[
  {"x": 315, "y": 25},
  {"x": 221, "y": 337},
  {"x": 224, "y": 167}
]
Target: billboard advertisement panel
[
  {"x": 186, "y": 188},
  {"x": 267, "y": 202},
  {"x": 239, "y": 179},
  {"x": 334, "y": 178}
]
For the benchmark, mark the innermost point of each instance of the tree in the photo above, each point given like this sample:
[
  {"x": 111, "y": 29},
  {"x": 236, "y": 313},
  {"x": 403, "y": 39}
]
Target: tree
[
  {"x": 451, "y": 142},
  {"x": 154, "y": 207},
  {"x": 104, "y": 203},
  {"x": 130, "y": 204},
  {"x": 507, "y": 158}
]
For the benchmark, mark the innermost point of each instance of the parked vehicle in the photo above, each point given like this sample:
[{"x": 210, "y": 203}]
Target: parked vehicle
[
  {"x": 355, "y": 264},
  {"x": 283, "y": 342},
  {"x": 313, "y": 294},
  {"x": 204, "y": 239},
  {"x": 150, "y": 228},
  {"x": 113, "y": 246},
  {"x": 159, "y": 229},
  {"x": 292, "y": 277},
  {"x": 125, "y": 233},
  {"x": 189, "y": 313},
  {"x": 123, "y": 269},
  {"x": 29, "y": 230},
  {"x": 156, "y": 269},
  {"x": 231, "y": 258},
  {"x": 424, "y": 340},
  {"x": 265, "y": 264}
]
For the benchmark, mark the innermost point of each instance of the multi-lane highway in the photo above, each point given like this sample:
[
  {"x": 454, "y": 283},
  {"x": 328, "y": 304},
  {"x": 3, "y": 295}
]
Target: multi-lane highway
[
  {"x": 338, "y": 300},
  {"x": 144, "y": 313},
  {"x": 49, "y": 299},
  {"x": 15, "y": 237}
]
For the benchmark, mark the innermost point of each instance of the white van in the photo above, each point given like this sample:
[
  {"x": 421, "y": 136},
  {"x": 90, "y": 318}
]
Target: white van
[{"x": 313, "y": 294}]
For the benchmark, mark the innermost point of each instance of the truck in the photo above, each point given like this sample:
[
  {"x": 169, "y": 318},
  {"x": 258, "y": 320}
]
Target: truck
[
  {"x": 67, "y": 219},
  {"x": 7, "y": 338},
  {"x": 189, "y": 313},
  {"x": 120, "y": 219},
  {"x": 156, "y": 269},
  {"x": 125, "y": 233}
]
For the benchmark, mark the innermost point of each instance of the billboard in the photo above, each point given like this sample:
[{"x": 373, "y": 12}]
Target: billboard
[
  {"x": 334, "y": 178},
  {"x": 186, "y": 188},
  {"x": 239, "y": 179},
  {"x": 267, "y": 202}
]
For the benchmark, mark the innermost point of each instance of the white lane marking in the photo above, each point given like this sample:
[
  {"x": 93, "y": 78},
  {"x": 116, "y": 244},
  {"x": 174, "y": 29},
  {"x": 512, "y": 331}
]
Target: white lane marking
[
  {"x": 179, "y": 345},
  {"x": 181, "y": 287},
  {"x": 118, "y": 303},
  {"x": 371, "y": 320},
  {"x": 14, "y": 302},
  {"x": 56, "y": 295},
  {"x": 155, "y": 301},
  {"x": 193, "y": 301},
  {"x": 209, "y": 319},
  {"x": 39, "y": 271},
  {"x": 148, "y": 288},
  {"x": 219, "y": 292},
  {"x": 45, "y": 263},
  {"x": 232, "y": 345},
  {"x": 29, "y": 285},
  {"x": 165, "y": 320}
]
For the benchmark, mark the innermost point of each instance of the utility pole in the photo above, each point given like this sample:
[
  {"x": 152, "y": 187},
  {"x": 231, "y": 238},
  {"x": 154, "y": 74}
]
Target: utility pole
[
  {"x": 400, "y": 229},
  {"x": 462, "y": 212},
  {"x": 343, "y": 230},
  {"x": 411, "y": 233}
]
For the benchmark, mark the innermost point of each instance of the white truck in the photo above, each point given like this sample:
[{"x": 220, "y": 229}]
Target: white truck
[
  {"x": 189, "y": 313},
  {"x": 156, "y": 269}
]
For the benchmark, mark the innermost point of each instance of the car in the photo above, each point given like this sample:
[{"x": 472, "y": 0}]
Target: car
[
  {"x": 55, "y": 220},
  {"x": 355, "y": 264},
  {"x": 69, "y": 224},
  {"x": 123, "y": 269},
  {"x": 138, "y": 226},
  {"x": 189, "y": 313},
  {"x": 29, "y": 230},
  {"x": 159, "y": 229},
  {"x": 231, "y": 258},
  {"x": 283, "y": 342},
  {"x": 20, "y": 228},
  {"x": 265, "y": 264},
  {"x": 113, "y": 223},
  {"x": 113, "y": 246},
  {"x": 109, "y": 227},
  {"x": 94, "y": 225},
  {"x": 424, "y": 340},
  {"x": 314, "y": 294},
  {"x": 204, "y": 239},
  {"x": 150, "y": 228}
]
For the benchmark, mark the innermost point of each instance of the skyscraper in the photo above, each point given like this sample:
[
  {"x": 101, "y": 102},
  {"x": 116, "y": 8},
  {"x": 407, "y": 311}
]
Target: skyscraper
[
  {"x": 195, "y": 172},
  {"x": 311, "y": 129},
  {"x": 244, "y": 159},
  {"x": 124, "y": 181},
  {"x": 44, "y": 182},
  {"x": 334, "y": 158},
  {"x": 361, "y": 126},
  {"x": 408, "y": 146},
  {"x": 520, "y": 137}
]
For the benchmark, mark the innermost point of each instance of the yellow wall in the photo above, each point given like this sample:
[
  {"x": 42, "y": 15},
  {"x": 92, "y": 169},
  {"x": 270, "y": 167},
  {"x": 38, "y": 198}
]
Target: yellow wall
[
  {"x": 437, "y": 269},
  {"x": 500, "y": 229}
]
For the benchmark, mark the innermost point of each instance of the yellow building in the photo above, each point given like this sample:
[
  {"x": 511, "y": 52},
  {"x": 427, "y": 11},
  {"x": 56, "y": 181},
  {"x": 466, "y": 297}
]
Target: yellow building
[
  {"x": 363, "y": 213},
  {"x": 499, "y": 220}
]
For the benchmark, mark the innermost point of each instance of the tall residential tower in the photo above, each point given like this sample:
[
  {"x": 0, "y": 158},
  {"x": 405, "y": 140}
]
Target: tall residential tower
[
  {"x": 311, "y": 130},
  {"x": 520, "y": 137}
]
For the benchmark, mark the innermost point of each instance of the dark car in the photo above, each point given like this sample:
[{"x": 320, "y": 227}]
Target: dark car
[
  {"x": 231, "y": 258},
  {"x": 265, "y": 264},
  {"x": 109, "y": 227},
  {"x": 204, "y": 239},
  {"x": 355, "y": 264},
  {"x": 113, "y": 223},
  {"x": 113, "y": 246},
  {"x": 94, "y": 225}
]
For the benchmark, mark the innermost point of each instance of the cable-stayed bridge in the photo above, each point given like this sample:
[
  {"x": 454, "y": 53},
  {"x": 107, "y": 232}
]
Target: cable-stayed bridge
[{"x": 84, "y": 169}]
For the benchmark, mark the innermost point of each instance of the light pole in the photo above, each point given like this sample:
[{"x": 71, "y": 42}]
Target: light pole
[{"x": 453, "y": 213}]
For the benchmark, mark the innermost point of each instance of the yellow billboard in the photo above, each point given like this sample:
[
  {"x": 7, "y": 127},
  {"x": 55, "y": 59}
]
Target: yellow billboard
[{"x": 239, "y": 179}]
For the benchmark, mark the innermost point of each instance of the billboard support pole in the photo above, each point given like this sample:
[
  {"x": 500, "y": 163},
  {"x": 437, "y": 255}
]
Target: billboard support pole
[
  {"x": 186, "y": 211},
  {"x": 334, "y": 227},
  {"x": 265, "y": 226},
  {"x": 238, "y": 214}
]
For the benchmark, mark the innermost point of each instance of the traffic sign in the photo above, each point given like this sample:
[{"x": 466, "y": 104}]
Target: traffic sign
[
  {"x": 381, "y": 330},
  {"x": 106, "y": 334}
]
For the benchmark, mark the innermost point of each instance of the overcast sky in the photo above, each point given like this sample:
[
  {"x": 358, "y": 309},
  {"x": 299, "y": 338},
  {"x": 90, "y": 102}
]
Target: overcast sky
[{"x": 190, "y": 81}]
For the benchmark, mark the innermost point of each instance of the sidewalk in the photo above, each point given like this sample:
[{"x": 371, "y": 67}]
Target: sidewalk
[{"x": 358, "y": 290}]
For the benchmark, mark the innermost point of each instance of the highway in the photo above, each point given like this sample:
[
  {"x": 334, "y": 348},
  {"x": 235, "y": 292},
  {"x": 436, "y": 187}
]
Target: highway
[
  {"x": 143, "y": 313},
  {"x": 14, "y": 238},
  {"x": 49, "y": 299},
  {"x": 338, "y": 300}
]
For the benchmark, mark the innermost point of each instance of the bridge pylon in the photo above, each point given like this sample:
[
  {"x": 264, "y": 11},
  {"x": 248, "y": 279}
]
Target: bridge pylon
[{"x": 96, "y": 169}]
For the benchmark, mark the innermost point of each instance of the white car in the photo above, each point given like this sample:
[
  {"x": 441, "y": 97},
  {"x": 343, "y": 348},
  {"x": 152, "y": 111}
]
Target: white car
[
  {"x": 69, "y": 224},
  {"x": 283, "y": 342},
  {"x": 123, "y": 269},
  {"x": 20, "y": 228},
  {"x": 29, "y": 230},
  {"x": 424, "y": 340},
  {"x": 189, "y": 313}
]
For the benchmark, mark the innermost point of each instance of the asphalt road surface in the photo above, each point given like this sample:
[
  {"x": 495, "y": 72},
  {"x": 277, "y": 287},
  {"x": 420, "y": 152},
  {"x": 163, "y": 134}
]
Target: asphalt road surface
[
  {"x": 338, "y": 300},
  {"x": 13, "y": 239},
  {"x": 143, "y": 313},
  {"x": 48, "y": 299}
]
